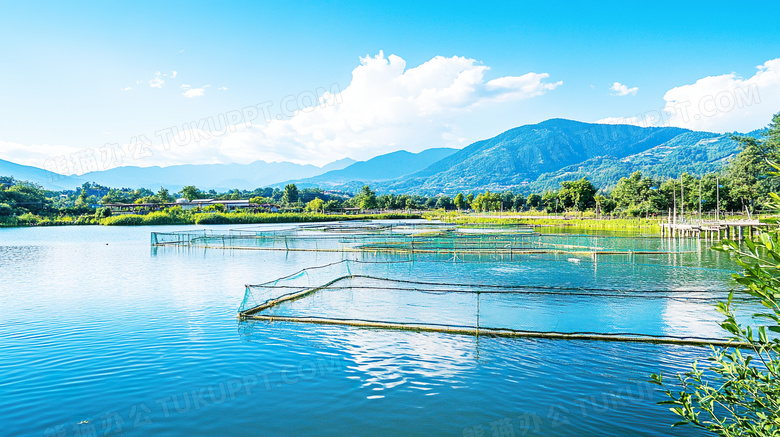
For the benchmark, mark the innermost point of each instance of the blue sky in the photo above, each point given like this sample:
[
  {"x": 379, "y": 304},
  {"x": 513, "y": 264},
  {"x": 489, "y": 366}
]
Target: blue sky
[{"x": 80, "y": 76}]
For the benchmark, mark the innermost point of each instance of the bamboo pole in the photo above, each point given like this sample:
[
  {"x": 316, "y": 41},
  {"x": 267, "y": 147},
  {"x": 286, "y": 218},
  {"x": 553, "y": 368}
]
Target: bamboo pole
[{"x": 462, "y": 330}]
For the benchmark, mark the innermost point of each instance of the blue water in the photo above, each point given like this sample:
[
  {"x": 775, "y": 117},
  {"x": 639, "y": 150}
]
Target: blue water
[{"x": 100, "y": 334}]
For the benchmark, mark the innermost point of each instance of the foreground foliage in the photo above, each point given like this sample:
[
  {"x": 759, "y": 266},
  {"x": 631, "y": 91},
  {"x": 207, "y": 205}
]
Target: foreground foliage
[{"x": 738, "y": 393}]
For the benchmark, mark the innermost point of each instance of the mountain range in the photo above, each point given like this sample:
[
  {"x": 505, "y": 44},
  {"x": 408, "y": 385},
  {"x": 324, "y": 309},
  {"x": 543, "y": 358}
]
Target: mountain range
[
  {"x": 381, "y": 168},
  {"x": 530, "y": 158},
  {"x": 536, "y": 158},
  {"x": 219, "y": 177},
  {"x": 46, "y": 179}
]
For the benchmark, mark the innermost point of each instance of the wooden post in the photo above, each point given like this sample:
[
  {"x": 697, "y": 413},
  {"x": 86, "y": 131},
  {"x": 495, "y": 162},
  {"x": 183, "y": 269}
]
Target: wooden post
[
  {"x": 717, "y": 190},
  {"x": 682, "y": 199},
  {"x": 700, "y": 201}
]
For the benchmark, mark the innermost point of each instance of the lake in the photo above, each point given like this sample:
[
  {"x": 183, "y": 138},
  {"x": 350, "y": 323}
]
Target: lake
[{"x": 102, "y": 334}]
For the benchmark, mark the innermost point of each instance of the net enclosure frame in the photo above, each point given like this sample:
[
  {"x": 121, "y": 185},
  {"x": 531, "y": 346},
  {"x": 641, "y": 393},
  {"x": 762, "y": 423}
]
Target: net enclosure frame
[
  {"x": 261, "y": 299},
  {"x": 400, "y": 238}
]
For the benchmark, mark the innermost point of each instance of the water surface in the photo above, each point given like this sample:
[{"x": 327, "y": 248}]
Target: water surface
[{"x": 100, "y": 332}]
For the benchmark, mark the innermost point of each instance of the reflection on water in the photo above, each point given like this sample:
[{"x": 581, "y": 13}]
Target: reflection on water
[{"x": 94, "y": 323}]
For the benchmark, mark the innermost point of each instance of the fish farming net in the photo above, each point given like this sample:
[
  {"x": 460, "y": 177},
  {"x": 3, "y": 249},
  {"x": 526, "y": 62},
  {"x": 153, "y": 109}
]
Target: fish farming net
[
  {"x": 508, "y": 299},
  {"x": 419, "y": 238},
  {"x": 241, "y": 238}
]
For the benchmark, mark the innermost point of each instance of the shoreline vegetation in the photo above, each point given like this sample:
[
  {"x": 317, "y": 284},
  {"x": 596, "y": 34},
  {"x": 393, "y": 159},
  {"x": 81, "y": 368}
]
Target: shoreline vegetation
[
  {"x": 161, "y": 218},
  {"x": 175, "y": 216},
  {"x": 485, "y": 208},
  {"x": 580, "y": 221}
]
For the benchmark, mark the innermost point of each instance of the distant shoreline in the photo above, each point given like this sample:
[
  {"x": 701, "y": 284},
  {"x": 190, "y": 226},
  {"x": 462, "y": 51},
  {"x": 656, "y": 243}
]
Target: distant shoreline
[{"x": 162, "y": 218}]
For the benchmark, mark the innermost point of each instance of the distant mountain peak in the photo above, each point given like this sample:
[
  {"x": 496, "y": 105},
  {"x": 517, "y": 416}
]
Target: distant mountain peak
[
  {"x": 559, "y": 122},
  {"x": 383, "y": 167}
]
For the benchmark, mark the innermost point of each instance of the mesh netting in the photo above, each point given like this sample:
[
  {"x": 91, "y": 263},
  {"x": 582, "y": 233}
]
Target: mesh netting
[
  {"x": 485, "y": 280},
  {"x": 421, "y": 238},
  {"x": 509, "y": 299}
]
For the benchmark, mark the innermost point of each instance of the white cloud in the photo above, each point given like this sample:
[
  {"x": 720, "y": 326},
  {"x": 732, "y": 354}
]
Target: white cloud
[
  {"x": 520, "y": 87},
  {"x": 636, "y": 121},
  {"x": 727, "y": 102},
  {"x": 724, "y": 103},
  {"x": 157, "y": 81},
  {"x": 622, "y": 90},
  {"x": 386, "y": 107},
  {"x": 127, "y": 88},
  {"x": 222, "y": 88},
  {"x": 194, "y": 92}
]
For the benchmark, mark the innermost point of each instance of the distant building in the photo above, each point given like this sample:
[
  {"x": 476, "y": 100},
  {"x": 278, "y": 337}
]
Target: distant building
[
  {"x": 230, "y": 205},
  {"x": 269, "y": 207}
]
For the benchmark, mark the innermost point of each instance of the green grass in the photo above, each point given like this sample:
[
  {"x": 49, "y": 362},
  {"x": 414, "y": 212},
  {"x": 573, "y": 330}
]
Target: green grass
[
  {"x": 35, "y": 220},
  {"x": 575, "y": 222},
  {"x": 238, "y": 218},
  {"x": 153, "y": 218},
  {"x": 186, "y": 218},
  {"x": 178, "y": 217},
  {"x": 250, "y": 218}
]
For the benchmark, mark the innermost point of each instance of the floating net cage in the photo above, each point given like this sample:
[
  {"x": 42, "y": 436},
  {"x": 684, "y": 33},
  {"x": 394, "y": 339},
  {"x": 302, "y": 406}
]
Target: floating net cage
[
  {"x": 492, "y": 280},
  {"x": 419, "y": 238},
  {"x": 506, "y": 300}
]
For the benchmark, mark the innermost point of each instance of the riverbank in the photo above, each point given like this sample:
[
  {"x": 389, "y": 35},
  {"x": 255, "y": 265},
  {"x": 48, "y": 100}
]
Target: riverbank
[
  {"x": 185, "y": 218},
  {"x": 643, "y": 224},
  {"x": 584, "y": 221},
  {"x": 177, "y": 217}
]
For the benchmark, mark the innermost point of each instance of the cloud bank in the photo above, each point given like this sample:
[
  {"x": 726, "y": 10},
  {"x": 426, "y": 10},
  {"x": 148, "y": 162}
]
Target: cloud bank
[
  {"x": 723, "y": 103},
  {"x": 727, "y": 102},
  {"x": 385, "y": 107}
]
